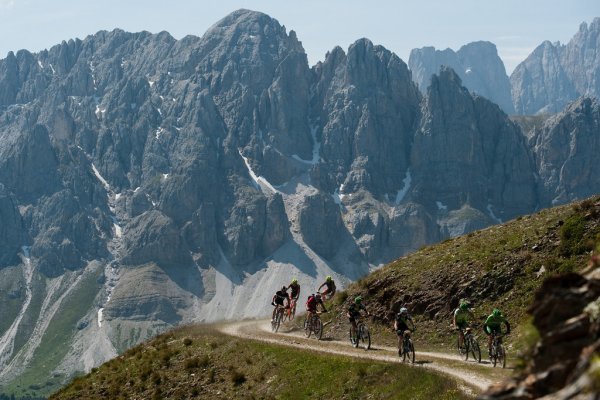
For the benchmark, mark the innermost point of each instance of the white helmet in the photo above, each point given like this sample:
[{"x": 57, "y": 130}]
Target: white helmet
[{"x": 403, "y": 310}]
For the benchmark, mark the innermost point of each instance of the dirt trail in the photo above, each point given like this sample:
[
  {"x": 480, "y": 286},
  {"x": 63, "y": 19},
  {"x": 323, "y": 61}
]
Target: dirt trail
[{"x": 473, "y": 378}]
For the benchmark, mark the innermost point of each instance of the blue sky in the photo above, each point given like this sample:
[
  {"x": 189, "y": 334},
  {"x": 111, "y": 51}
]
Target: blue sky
[{"x": 515, "y": 26}]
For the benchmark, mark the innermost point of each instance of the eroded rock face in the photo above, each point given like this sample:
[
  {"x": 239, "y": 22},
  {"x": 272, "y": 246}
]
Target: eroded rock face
[
  {"x": 12, "y": 235},
  {"x": 321, "y": 224},
  {"x": 562, "y": 149},
  {"x": 477, "y": 64},
  {"x": 554, "y": 75},
  {"x": 366, "y": 105},
  {"x": 565, "y": 312},
  {"x": 481, "y": 157}
]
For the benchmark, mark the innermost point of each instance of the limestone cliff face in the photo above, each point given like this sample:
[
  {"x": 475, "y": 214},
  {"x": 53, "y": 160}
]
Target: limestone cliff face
[
  {"x": 562, "y": 149},
  {"x": 467, "y": 151},
  {"x": 366, "y": 107}
]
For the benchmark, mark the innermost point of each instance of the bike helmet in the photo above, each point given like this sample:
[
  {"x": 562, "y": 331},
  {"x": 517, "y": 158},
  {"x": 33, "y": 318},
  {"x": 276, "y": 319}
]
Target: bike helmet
[
  {"x": 464, "y": 306},
  {"x": 294, "y": 280},
  {"x": 328, "y": 279},
  {"x": 496, "y": 312},
  {"x": 318, "y": 296},
  {"x": 403, "y": 311},
  {"x": 358, "y": 299},
  {"x": 283, "y": 289}
]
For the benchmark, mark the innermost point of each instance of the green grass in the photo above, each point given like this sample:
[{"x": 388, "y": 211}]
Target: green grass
[
  {"x": 198, "y": 362},
  {"x": 37, "y": 379}
]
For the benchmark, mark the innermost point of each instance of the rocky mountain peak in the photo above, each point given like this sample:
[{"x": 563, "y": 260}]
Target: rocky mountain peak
[
  {"x": 477, "y": 63},
  {"x": 555, "y": 74},
  {"x": 250, "y": 26}
]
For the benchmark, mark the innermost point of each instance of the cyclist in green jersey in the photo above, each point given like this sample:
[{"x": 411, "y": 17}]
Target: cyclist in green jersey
[
  {"x": 493, "y": 324},
  {"x": 461, "y": 318}
]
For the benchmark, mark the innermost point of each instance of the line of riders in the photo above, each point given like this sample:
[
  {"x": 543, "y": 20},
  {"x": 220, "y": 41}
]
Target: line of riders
[{"x": 403, "y": 322}]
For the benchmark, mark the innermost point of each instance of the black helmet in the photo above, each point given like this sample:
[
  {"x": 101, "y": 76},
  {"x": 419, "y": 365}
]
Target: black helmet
[{"x": 283, "y": 289}]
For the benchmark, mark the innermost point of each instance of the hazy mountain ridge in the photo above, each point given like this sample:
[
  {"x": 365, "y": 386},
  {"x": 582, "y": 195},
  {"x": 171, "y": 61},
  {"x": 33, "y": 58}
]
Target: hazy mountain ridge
[
  {"x": 555, "y": 74},
  {"x": 477, "y": 64},
  {"x": 179, "y": 181}
]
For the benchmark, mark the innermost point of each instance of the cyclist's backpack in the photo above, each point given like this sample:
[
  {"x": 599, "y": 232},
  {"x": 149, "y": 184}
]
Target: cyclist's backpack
[{"x": 310, "y": 303}]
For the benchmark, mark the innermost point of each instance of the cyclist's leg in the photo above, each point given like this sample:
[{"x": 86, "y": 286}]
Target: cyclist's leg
[
  {"x": 400, "y": 341},
  {"x": 461, "y": 334}
]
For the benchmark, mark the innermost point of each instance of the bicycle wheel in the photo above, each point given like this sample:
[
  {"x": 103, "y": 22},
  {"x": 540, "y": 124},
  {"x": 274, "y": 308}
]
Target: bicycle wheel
[
  {"x": 353, "y": 340},
  {"x": 274, "y": 322},
  {"x": 461, "y": 350},
  {"x": 278, "y": 319},
  {"x": 307, "y": 328},
  {"x": 317, "y": 327},
  {"x": 408, "y": 352},
  {"x": 475, "y": 350},
  {"x": 365, "y": 337},
  {"x": 502, "y": 356}
]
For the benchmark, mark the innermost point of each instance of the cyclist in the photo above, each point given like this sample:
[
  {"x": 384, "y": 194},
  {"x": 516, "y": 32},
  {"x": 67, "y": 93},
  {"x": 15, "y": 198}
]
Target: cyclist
[
  {"x": 401, "y": 325},
  {"x": 460, "y": 321},
  {"x": 312, "y": 303},
  {"x": 354, "y": 311},
  {"x": 493, "y": 324},
  {"x": 330, "y": 284},
  {"x": 294, "y": 288},
  {"x": 278, "y": 300}
]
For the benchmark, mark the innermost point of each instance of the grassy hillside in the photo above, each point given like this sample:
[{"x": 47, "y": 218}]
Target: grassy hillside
[
  {"x": 501, "y": 266},
  {"x": 198, "y": 362}
]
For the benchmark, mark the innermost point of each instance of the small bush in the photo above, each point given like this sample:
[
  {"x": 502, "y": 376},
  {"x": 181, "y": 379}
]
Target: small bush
[
  {"x": 145, "y": 373},
  {"x": 237, "y": 377},
  {"x": 204, "y": 361},
  {"x": 156, "y": 379},
  {"x": 571, "y": 236},
  {"x": 165, "y": 358},
  {"x": 191, "y": 363},
  {"x": 187, "y": 341},
  {"x": 340, "y": 298}
]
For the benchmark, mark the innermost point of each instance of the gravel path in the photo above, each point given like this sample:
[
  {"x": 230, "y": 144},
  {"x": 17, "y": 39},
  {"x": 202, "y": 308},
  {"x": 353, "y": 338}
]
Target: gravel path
[{"x": 471, "y": 381}]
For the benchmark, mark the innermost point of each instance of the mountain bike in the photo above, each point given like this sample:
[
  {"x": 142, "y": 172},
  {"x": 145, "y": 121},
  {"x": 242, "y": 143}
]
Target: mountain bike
[
  {"x": 471, "y": 346},
  {"x": 408, "y": 348},
  {"x": 276, "y": 322},
  {"x": 313, "y": 325},
  {"x": 327, "y": 296},
  {"x": 361, "y": 337},
  {"x": 498, "y": 353},
  {"x": 291, "y": 310}
]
